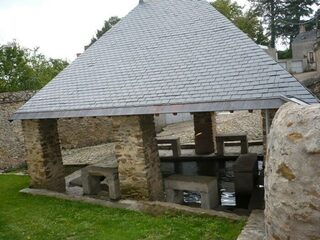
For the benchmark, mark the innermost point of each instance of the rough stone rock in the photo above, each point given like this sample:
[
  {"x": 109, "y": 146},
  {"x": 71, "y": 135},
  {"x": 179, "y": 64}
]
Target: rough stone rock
[
  {"x": 292, "y": 179},
  {"x": 254, "y": 229}
]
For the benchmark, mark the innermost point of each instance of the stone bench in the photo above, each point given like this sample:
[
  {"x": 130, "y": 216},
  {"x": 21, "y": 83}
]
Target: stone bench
[
  {"x": 175, "y": 145},
  {"x": 91, "y": 180},
  {"x": 206, "y": 186},
  {"x": 221, "y": 139}
]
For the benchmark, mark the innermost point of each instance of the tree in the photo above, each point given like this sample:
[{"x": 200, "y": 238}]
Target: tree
[
  {"x": 285, "y": 54},
  {"x": 250, "y": 24},
  {"x": 292, "y": 16},
  {"x": 106, "y": 27},
  {"x": 230, "y": 10},
  {"x": 247, "y": 21},
  {"x": 271, "y": 11},
  {"x": 26, "y": 69}
]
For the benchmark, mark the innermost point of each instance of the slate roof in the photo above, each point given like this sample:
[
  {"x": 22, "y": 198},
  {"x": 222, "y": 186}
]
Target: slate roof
[
  {"x": 167, "y": 56},
  {"x": 310, "y": 36}
]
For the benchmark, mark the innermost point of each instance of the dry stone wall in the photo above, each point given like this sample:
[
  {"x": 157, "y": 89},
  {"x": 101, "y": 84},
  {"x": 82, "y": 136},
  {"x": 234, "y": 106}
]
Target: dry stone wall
[
  {"x": 138, "y": 158},
  {"x": 44, "y": 158},
  {"x": 85, "y": 132},
  {"x": 292, "y": 179},
  {"x": 73, "y": 133},
  {"x": 12, "y": 152}
]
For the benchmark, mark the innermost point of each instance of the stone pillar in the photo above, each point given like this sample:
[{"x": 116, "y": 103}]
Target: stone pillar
[
  {"x": 43, "y": 154},
  {"x": 138, "y": 157},
  {"x": 205, "y": 131},
  {"x": 267, "y": 118},
  {"x": 317, "y": 53},
  {"x": 292, "y": 190}
]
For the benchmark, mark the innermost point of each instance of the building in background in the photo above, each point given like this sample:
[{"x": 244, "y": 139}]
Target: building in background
[{"x": 303, "y": 53}]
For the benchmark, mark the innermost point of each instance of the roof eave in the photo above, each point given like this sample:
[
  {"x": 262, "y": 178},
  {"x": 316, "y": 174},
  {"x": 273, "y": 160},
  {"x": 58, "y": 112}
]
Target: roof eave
[{"x": 232, "y": 105}]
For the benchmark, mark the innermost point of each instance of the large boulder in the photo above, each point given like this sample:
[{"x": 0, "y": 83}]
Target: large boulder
[{"x": 292, "y": 175}]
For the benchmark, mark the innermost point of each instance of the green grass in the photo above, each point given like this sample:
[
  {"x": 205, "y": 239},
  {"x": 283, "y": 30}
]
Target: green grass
[{"x": 34, "y": 217}]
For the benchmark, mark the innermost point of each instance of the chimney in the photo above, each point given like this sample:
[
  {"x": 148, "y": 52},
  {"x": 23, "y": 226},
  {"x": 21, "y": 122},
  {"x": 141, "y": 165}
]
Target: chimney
[
  {"x": 140, "y": 1},
  {"x": 302, "y": 28}
]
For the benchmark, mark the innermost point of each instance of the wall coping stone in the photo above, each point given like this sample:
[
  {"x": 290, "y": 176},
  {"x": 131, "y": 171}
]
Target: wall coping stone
[
  {"x": 14, "y": 97},
  {"x": 254, "y": 229}
]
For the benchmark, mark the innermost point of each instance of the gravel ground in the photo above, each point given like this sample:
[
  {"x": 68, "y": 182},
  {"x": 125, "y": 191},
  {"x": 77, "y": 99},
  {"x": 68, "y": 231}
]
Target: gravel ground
[
  {"x": 241, "y": 122},
  {"x": 91, "y": 155}
]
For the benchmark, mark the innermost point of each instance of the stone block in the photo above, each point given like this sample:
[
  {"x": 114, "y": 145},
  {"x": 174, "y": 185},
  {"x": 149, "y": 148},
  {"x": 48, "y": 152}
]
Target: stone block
[
  {"x": 206, "y": 186},
  {"x": 245, "y": 171},
  {"x": 221, "y": 139},
  {"x": 91, "y": 180},
  {"x": 292, "y": 190}
]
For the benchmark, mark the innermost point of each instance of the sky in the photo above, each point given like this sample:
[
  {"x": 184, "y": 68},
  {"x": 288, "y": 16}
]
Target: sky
[{"x": 60, "y": 28}]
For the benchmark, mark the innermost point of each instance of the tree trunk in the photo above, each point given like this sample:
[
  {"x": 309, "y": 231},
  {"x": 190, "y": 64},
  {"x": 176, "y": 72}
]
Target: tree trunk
[{"x": 272, "y": 25}]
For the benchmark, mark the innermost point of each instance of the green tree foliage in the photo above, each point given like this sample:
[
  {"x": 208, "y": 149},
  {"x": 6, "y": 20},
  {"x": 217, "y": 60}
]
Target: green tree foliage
[
  {"x": 106, "y": 27},
  {"x": 26, "y": 69},
  {"x": 247, "y": 21},
  {"x": 292, "y": 14},
  {"x": 229, "y": 9},
  {"x": 286, "y": 54},
  {"x": 271, "y": 11}
]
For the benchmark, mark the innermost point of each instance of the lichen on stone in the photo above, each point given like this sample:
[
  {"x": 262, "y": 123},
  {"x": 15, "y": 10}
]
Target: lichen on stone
[{"x": 285, "y": 172}]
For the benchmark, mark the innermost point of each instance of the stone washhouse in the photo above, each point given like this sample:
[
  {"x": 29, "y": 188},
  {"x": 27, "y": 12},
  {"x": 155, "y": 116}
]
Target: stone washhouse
[{"x": 165, "y": 56}]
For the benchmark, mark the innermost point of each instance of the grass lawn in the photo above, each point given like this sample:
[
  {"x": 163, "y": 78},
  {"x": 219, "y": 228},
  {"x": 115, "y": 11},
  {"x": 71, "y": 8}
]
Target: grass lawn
[{"x": 33, "y": 217}]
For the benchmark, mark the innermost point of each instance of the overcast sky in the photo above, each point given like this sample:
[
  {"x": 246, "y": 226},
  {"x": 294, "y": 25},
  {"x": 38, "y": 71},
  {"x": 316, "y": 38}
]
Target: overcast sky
[{"x": 59, "y": 27}]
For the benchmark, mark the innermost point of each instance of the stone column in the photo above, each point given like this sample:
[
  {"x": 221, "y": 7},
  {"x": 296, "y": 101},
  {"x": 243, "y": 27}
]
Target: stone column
[
  {"x": 292, "y": 190},
  {"x": 138, "y": 157},
  {"x": 267, "y": 118},
  {"x": 317, "y": 53},
  {"x": 43, "y": 154},
  {"x": 205, "y": 131}
]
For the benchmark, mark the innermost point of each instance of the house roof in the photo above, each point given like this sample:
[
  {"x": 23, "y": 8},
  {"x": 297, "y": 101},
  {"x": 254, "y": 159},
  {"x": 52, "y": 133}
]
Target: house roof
[
  {"x": 167, "y": 56},
  {"x": 310, "y": 36}
]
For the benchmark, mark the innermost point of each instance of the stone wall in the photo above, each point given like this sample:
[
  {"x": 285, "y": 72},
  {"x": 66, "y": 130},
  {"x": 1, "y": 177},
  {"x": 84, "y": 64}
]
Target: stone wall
[
  {"x": 12, "y": 152},
  {"x": 84, "y": 132},
  {"x": 74, "y": 133},
  {"x": 314, "y": 84},
  {"x": 292, "y": 190},
  {"x": 43, "y": 154},
  {"x": 138, "y": 158}
]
